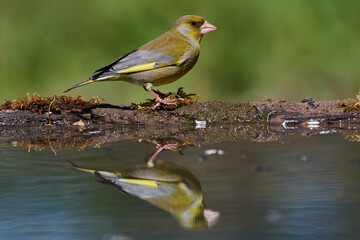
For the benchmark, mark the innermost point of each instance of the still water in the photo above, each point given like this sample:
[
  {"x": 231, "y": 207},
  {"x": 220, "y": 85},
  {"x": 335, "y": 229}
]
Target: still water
[{"x": 297, "y": 187}]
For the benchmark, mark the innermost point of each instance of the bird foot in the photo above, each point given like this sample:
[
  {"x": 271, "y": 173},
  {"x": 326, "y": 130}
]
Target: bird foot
[
  {"x": 164, "y": 102},
  {"x": 160, "y": 101}
]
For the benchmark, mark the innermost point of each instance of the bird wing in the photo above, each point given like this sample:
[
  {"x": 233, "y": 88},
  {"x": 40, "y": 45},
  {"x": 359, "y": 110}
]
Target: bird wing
[
  {"x": 166, "y": 50},
  {"x": 136, "y": 61}
]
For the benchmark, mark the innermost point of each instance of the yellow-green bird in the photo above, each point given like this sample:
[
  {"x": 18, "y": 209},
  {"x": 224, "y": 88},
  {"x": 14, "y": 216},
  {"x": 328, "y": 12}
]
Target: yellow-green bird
[{"x": 161, "y": 61}]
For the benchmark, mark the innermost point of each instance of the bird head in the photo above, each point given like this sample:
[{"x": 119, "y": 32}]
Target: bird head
[{"x": 192, "y": 27}]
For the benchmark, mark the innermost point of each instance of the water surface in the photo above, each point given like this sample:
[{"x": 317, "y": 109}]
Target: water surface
[{"x": 295, "y": 188}]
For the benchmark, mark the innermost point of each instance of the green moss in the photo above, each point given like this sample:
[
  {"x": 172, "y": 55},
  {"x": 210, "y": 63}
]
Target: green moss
[
  {"x": 55, "y": 104},
  {"x": 353, "y": 105}
]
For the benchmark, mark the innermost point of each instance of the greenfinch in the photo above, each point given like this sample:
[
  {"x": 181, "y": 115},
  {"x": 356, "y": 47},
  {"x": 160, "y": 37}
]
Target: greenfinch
[
  {"x": 161, "y": 61},
  {"x": 168, "y": 186}
]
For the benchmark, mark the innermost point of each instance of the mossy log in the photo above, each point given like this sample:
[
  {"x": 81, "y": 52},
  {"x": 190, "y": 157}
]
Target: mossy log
[
  {"x": 205, "y": 122},
  {"x": 273, "y": 112}
]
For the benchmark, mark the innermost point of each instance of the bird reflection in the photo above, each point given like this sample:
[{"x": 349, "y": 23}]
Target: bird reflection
[{"x": 168, "y": 186}]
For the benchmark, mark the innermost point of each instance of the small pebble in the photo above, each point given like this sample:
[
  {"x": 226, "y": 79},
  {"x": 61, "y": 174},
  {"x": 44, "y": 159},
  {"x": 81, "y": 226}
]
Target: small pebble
[
  {"x": 310, "y": 102},
  {"x": 200, "y": 124}
]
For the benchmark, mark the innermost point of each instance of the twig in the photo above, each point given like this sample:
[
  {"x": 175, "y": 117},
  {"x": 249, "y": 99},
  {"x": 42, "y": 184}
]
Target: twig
[{"x": 49, "y": 112}]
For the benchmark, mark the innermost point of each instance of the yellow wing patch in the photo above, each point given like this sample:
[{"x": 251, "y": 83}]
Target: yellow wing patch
[
  {"x": 148, "y": 183},
  {"x": 139, "y": 68},
  {"x": 179, "y": 61}
]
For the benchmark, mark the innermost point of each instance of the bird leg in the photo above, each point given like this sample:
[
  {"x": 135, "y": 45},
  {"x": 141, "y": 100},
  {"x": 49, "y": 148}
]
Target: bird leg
[
  {"x": 147, "y": 87},
  {"x": 151, "y": 161}
]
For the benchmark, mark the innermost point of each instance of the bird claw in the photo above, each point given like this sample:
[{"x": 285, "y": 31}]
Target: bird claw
[
  {"x": 168, "y": 102},
  {"x": 160, "y": 101},
  {"x": 155, "y": 106}
]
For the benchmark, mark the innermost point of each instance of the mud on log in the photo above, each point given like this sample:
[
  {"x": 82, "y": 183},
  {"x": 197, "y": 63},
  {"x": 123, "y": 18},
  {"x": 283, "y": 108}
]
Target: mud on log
[{"x": 273, "y": 112}]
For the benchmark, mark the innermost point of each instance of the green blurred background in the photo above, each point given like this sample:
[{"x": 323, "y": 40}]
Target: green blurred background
[{"x": 263, "y": 49}]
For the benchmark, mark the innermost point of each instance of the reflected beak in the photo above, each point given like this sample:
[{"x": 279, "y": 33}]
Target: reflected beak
[
  {"x": 211, "y": 216},
  {"x": 207, "y": 27}
]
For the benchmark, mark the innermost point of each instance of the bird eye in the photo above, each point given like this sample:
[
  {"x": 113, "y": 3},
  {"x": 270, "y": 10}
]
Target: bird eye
[{"x": 193, "y": 23}]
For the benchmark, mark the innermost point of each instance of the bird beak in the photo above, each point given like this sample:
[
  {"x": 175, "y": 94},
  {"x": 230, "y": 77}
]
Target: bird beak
[{"x": 207, "y": 27}]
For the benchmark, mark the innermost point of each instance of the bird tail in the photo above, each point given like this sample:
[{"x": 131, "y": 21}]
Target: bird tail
[
  {"x": 90, "y": 80},
  {"x": 105, "y": 175},
  {"x": 89, "y": 170}
]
